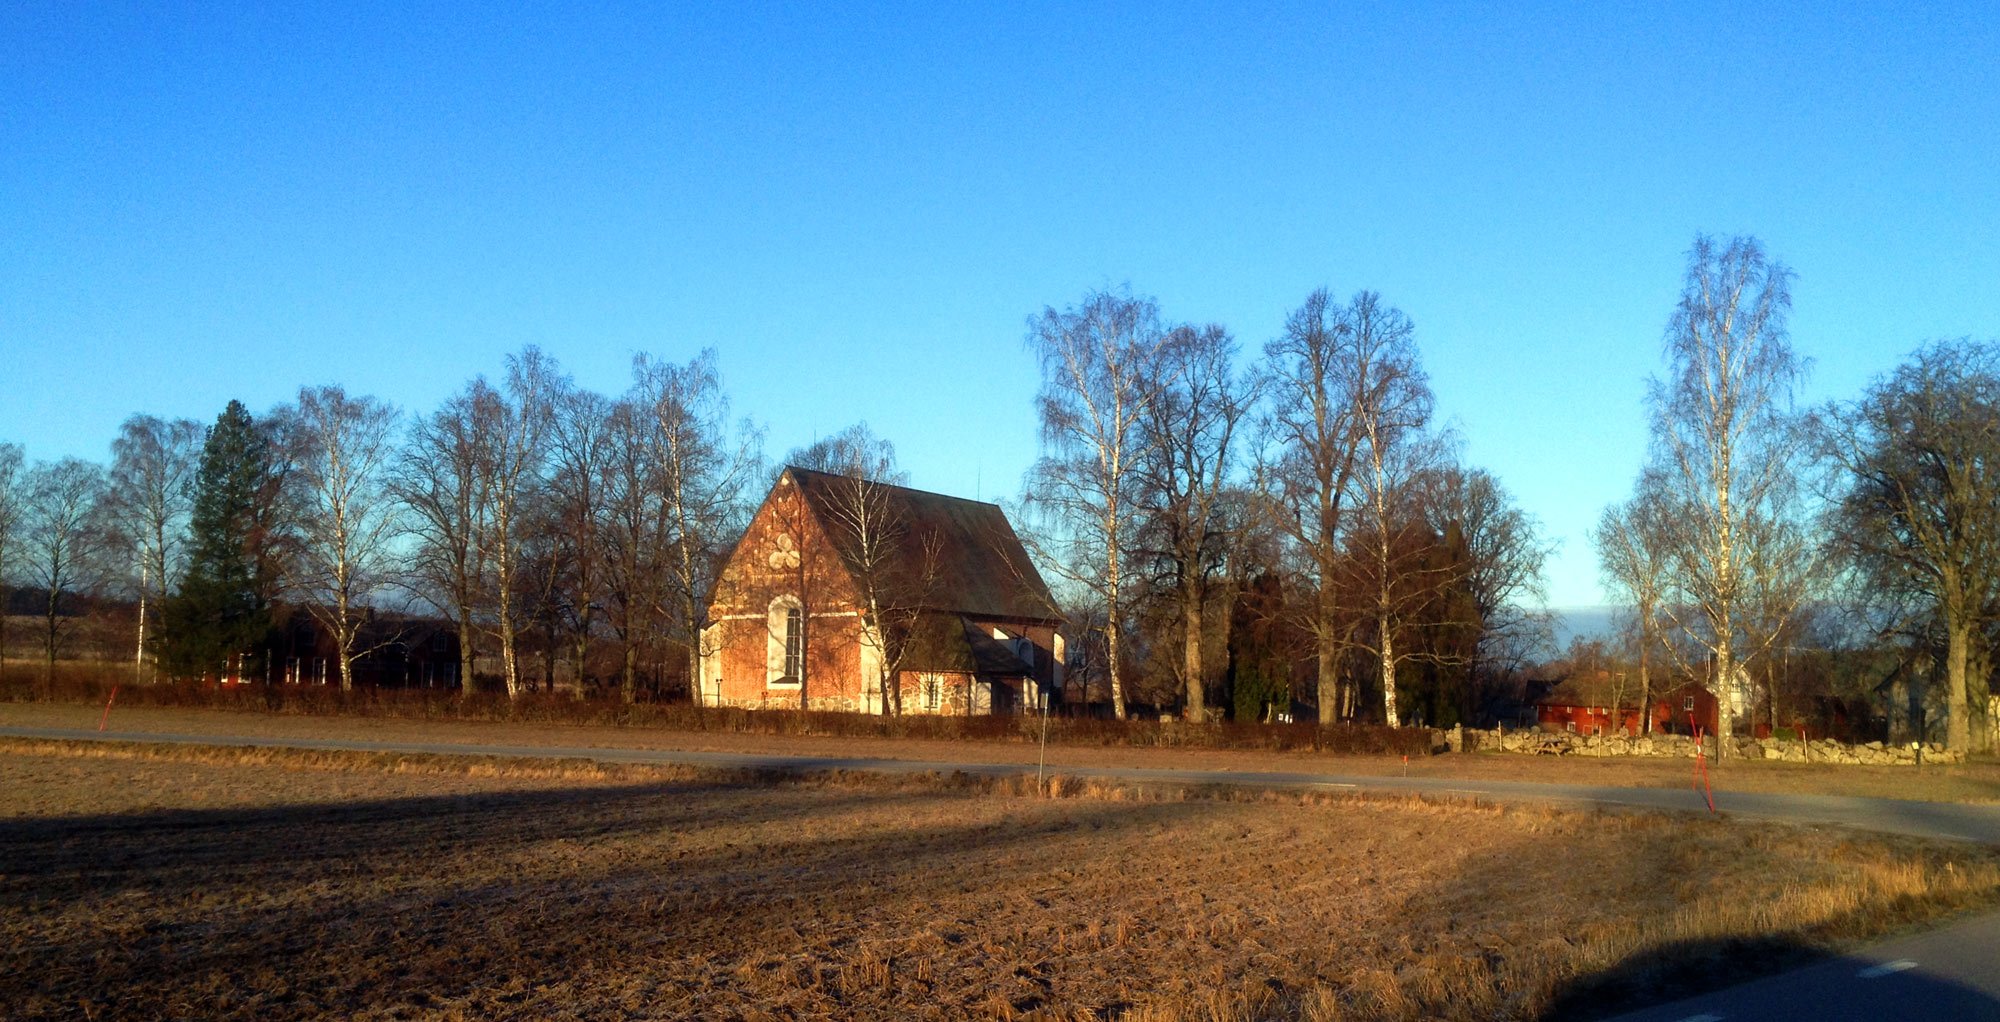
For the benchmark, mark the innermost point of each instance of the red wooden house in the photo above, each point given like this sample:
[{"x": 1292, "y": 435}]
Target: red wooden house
[
  {"x": 1683, "y": 709},
  {"x": 1587, "y": 719},
  {"x": 1584, "y": 706},
  {"x": 1589, "y": 704}
]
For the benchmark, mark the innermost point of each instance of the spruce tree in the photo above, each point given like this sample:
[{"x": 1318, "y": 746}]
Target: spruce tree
[{"x": 221, "y": 611}]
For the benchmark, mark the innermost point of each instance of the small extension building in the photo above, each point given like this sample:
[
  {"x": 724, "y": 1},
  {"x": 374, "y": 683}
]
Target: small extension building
[{"x": 851, "y": 595}]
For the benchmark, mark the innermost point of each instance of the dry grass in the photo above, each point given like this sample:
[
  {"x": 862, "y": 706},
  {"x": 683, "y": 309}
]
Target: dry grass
[
  {"x": 168, "y": 881},
  {"x": 1978, "y": 781}
]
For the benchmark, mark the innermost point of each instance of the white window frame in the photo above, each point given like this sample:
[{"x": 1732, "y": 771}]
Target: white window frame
[{"x": 784, "y": 649}]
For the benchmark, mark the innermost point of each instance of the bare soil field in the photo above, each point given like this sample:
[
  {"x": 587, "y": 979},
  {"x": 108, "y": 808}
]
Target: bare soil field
[
  {"x": 1976, "y": 781},
  {"x": 149, "y": 881}
]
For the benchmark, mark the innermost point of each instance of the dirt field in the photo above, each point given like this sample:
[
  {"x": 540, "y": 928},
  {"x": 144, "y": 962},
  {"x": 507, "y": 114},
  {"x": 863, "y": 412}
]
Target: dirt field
[
  {"x": 145, "y": 882},
  {"x": 1978, "y": 781}
]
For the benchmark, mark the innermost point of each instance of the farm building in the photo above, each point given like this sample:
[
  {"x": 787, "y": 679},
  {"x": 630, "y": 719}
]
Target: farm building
[
  {"x": 1686, "y": 708},
  {"x": 845, "y": 594},
  {"x": 396, "y": 651},
  {"x": 1595, "y": 702},
  {"x": 1674, "y": 711},
  {"x": 1587, "y": 719}
]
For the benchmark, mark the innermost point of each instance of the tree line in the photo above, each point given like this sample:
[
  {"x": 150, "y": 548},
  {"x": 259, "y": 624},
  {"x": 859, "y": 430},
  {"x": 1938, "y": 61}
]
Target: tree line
[
  {"x": 1296, "y": 529},
  {"x": 1228, "y": 533},
  {"x": 1292, "y": 529},
  {"x": 534, "y": 515}
]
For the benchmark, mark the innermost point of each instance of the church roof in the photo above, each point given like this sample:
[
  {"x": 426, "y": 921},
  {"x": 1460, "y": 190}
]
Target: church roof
[{"x": 981, "y": 568}]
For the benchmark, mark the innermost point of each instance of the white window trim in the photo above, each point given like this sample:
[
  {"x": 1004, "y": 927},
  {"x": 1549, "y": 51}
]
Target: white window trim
[{"x": 775, "y": 654}]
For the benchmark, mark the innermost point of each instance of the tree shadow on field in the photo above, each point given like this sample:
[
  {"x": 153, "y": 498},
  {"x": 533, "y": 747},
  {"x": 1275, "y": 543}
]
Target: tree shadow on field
[
  {"x": 503, "y": 905},
  {"x": 156, "y": 849},
  {"x": 1719, "y": 979}
]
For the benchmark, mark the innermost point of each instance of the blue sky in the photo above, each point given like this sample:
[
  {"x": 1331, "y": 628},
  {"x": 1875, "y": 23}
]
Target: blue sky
[{"x": 860, "y": 208}]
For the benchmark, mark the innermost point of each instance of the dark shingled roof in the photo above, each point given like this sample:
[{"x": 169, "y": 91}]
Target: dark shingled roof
[
  {"x": 983, "y": 570},
  {"x": 947, "y": 642}
]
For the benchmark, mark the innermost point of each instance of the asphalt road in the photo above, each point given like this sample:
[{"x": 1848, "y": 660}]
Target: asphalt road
[
  {"x": 1946, "y": 975},
  {"x": 1951, "y": 973}
]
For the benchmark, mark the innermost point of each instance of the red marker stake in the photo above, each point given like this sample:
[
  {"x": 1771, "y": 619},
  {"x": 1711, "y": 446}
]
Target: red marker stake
[
  {"x": 1701, "y": 765},
  {"x": 106, "y": 719}
]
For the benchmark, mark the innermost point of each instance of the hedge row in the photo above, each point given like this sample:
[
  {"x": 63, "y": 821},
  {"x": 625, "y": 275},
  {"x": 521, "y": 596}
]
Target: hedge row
[{"x": 551, "y": 708}]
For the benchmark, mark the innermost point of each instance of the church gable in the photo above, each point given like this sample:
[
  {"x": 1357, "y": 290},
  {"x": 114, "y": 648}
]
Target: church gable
[
  {"x": 787, "y": 624},
  {"x": 784, "y": 550}
]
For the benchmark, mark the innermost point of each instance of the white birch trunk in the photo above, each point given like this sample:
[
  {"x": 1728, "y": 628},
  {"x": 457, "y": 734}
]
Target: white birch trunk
[{"x": 1389, "y": 675}]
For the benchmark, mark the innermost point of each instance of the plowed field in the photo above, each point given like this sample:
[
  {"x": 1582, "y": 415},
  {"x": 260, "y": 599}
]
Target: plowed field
[{"x": 154, "y": 885}]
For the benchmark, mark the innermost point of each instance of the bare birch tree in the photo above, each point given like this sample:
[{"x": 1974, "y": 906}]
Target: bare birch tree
[
  {"x": 342, "y": 449},
  {"x": 514, "y": 449},
  {"x": 1352, "y": 407},
  {"x": 580, "y": 448},
  {"x": 1635, "y": 556},
  {"x": 680, "y": 498},
  {"x": 1392, "y": 402},
  {"x": 440, "y": 482},
  {"x": 633, "y": 537},
  {"x": 854, "y": 453},
  {"x": 894, "y": 565},
  {"x": 13, "y": 501},
  {"x": 1095, "y": 359},
  {"x": 62, "y": 498},
  {"x": 149, "y": 504},
  {"x": 1195, "y": 401},
  {"x": 1920, "y": 508},
  {"x": 1312, "y": 440},
  {"x": 1720, "y": 434}
]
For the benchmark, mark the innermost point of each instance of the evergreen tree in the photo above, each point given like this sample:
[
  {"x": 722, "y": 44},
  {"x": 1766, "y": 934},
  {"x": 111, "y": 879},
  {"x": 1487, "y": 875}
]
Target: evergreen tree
[
  {"x": 1259, "y": 675},
  {"x": 222, "y": 612}
]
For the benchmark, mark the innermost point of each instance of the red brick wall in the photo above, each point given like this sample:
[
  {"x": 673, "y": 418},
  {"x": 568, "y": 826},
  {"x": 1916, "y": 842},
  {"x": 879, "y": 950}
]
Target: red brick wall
[
  {"x": 784, "y": 553},
  {"x": 833, "y": 665}
]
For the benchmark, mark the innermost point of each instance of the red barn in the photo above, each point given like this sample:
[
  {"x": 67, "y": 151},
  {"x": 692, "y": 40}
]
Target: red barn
[
  {"x": 1565, "y": 709},
  {"x": 1585, "y": 719},
  {"x": 1682, "y": 709},
  {"x": 1588, "y": 704},
  {"x": 847, "y": 594}
]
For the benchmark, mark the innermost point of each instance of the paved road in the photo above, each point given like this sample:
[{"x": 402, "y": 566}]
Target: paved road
[
  {"x": 1946, "y": 975},
  {"x": 1920, "y": 819},
  {"x": 1952, "y": 973}
]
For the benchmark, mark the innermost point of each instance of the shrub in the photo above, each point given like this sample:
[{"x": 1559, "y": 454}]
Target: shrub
[{"x": 557, "y": 708}]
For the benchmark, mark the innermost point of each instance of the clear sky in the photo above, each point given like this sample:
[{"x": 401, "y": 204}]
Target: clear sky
[{"x": 859, "y": 209}]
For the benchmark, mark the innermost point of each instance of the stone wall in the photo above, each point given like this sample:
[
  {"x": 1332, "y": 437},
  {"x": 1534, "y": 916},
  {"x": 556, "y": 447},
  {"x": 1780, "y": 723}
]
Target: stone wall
[{"x": 1826, "y": 751}]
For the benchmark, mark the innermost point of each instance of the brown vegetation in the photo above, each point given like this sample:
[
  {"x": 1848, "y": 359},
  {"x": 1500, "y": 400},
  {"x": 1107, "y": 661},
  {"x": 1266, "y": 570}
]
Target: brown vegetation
[
  {"x": 152, "y": 881},
  {"x": 549, "y": 708}
]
